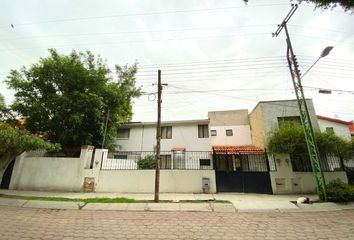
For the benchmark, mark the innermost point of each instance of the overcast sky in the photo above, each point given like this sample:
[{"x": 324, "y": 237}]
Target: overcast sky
[{"x": 214, "y": 54}]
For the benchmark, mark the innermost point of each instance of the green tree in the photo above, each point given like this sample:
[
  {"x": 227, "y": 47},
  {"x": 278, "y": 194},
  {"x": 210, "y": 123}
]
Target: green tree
[
  {"x": 327, "y": 4},
  {"x": 69, "y": 97},
  {"x": 147, "y": 162},
  {"x": 14, "y": 141},
  {"x": 290, "y": 138}
]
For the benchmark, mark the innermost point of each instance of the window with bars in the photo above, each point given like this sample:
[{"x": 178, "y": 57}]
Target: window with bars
[
  {"x": 179, "y": 159},
  {"x": 284, "y": 121},
  {"x": 205, "y": 163},
  {"x": 203, "y": 131},
  {"x": 213, "y": 132},
  {"x": 165, "y": 161},
  {"x": 229, "y": 132}
]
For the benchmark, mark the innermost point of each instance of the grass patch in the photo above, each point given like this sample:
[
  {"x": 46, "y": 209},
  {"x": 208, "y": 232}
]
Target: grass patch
[
  {"x": 61, "y": 199},
  {"x": 104, "y": 200}
]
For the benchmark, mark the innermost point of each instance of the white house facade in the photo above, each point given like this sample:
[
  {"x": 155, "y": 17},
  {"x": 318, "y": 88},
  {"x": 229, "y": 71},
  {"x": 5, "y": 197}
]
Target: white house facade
[{"x": 336, "y": 126}]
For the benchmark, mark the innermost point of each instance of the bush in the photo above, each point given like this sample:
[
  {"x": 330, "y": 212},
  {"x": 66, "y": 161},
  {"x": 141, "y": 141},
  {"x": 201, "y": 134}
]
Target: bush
[
  {"x": 338, "y": 191},
  {"x": 147, "y": 162}
]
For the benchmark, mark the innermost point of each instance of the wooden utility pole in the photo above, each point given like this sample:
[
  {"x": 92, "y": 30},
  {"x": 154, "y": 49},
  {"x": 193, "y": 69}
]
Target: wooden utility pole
[{"x": 158, "y": 137}]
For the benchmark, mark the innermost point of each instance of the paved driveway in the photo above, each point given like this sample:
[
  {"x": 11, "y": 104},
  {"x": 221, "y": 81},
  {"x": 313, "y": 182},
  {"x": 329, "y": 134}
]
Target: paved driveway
[{"x": 30, "y": 223}]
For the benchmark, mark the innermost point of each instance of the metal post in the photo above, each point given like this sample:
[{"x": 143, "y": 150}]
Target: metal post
[
  {"x": 304, "y": 113},
  {"x": 158, "y": 138}
]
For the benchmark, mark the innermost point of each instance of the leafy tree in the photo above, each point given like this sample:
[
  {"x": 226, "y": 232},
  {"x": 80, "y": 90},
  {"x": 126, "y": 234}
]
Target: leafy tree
[
  {"x": 290, "y": 138},
  {"x": 14, "y": 141},
  {"x": 69, "y": 97},
  {"x": 327, "y": 4}
]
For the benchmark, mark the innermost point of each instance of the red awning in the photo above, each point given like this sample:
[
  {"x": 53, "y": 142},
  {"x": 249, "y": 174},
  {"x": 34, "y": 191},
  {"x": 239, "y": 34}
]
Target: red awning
[
  {"x": 178, "y": 149},
  {"x": 237, "y": 150}
]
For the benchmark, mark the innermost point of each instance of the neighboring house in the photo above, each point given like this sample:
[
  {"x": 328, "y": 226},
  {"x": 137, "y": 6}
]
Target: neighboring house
[
  {"x": 351, "y": 129},
  {"x": 184, "y": 145},
  {"x": 268, "y": 115},
  {"x": 293, "y": 173},
  {"x": 336, "y": 126},
  {"x": 239, "y": 166},
  {"x": 230, "y": 128},
  {"x": 191, "y": 135}
]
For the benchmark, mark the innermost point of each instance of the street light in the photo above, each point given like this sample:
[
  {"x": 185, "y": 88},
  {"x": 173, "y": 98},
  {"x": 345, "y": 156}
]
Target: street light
[{"x": 324, "y": 53}]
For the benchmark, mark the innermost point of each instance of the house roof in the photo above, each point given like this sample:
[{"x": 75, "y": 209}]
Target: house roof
[
  {"x": 164, "y": 123},
  {"x": 351, "y": 128},
  {"x": 334, "y": 120},
  {"x": 277, "y": 101},
  {"x": 237, "y": 149}
]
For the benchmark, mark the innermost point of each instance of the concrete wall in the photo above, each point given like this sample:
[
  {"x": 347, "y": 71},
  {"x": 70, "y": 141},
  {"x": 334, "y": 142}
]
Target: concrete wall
[
  {"x": 241, "y": 136},
  {"x": 49, "y": 173},
  {"x": 284, "y": 180},
  {"x": 143, "y": 138},
  {"x": 134, "y": 181},
  {"x": 229, "y": 118},
  {"x": 237, "y": 121},
  {"x": 257, "y": 127},
  {"x": 340, "y": 129}
]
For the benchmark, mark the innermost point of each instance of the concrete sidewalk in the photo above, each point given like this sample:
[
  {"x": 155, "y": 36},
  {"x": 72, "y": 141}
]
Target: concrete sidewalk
[{"x": 240, "y": 202}]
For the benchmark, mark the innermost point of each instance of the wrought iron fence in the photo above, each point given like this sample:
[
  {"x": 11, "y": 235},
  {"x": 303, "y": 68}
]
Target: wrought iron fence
[
  {"x": 184, "y": 160},
  {"x": 329, "y": 163},
  {"x": 241, "y": 162}
]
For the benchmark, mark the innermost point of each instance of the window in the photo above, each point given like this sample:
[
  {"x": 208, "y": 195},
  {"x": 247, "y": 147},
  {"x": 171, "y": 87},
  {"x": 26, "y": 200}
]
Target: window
[
  {"x": 123, "y": 133},
  {"x": 120, "y": 156},
  {"x": 213, "y": 132},
  {"x": 229, "y": 132},
  {"x": 166, "y": 132},
  {"x": 179, "y": 160},
  {"x": 165, "y": 161},
  {"x": 204, "y": 163},
  {"x": 330, "y": 130},
  {"x": 203, "y": 131},
  {"x": 283, "y": 121}
]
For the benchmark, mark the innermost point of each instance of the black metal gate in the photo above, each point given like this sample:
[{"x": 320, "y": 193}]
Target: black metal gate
[
  {"x": 6, "y": 178},
  {"x": 242, "y": 173}
]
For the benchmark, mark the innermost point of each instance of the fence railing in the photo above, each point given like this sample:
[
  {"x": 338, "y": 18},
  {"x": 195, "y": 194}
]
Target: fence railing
[
  {"x": 329, "y": 163},
  {"x": 132, "y": 160}
]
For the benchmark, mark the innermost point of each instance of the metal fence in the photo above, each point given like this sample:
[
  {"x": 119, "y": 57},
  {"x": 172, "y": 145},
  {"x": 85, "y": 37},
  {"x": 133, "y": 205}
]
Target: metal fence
[
  {"x": 329, "y": 163},
  {"x": 132, "y": 160}
]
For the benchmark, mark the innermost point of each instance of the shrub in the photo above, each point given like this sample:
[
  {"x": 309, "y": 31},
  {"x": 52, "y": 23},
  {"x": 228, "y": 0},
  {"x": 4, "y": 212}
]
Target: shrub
[
  {"x": 147, "y": 162},
  {"x": 338, "y": 191}
]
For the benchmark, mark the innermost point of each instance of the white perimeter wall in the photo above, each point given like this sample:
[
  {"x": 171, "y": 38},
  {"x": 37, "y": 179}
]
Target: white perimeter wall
[
  {"x": 284, "y": 180},
  {"x": 133, "y": 181},
  {"x": 47, "y": 174}
]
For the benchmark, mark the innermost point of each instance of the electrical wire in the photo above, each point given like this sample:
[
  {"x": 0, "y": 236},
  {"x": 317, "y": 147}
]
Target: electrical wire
[{"x": 141, "y": 14}]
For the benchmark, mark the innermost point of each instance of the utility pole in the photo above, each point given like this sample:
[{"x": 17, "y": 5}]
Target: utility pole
[
  {"x": 158, "y": 137},
  {"x": 105, "y": 130},
  {"x": 304, "y": 113}
]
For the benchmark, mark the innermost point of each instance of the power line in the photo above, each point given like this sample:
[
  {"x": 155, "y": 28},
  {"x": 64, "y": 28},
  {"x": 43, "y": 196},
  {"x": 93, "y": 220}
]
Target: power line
[
  {"x": 140, "y": 14},
  {"x": 142, "y": 41},
  {"x": 134, "y": 32}
]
